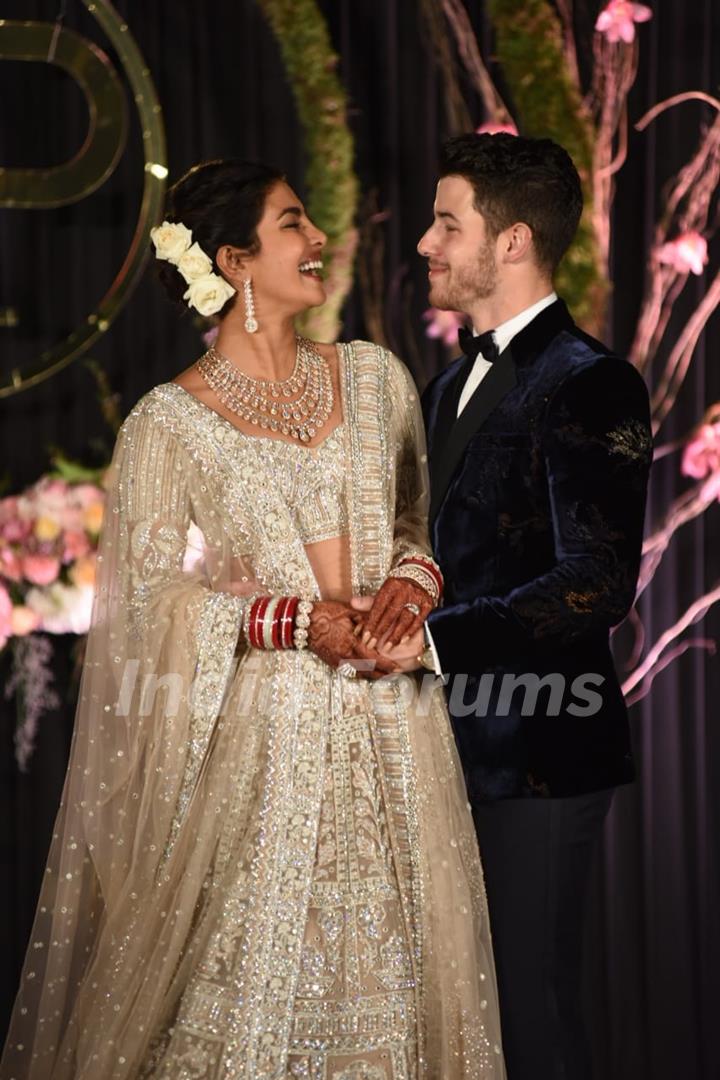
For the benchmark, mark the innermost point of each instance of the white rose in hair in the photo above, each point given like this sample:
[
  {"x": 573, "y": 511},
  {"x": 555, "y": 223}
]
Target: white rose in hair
[
  {"x": 171, "y": 240},
  {"x": 194, "y": 264},
  {"x": 208, "y": 294}
]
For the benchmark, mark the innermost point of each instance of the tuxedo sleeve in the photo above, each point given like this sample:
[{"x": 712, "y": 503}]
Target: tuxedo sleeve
[{"x": 597, "y": 450}]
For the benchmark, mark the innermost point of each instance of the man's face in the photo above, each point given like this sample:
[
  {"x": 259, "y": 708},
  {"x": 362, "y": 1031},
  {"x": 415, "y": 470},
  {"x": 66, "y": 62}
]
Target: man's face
[{"x": 462, "y": 266}]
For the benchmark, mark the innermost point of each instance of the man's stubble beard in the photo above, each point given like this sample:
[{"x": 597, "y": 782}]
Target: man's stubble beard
[{"x": 470, "y": 284}]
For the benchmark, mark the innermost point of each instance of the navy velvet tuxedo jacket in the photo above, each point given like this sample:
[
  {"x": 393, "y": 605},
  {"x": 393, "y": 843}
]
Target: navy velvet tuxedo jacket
[{"x": 537, "y": 504}]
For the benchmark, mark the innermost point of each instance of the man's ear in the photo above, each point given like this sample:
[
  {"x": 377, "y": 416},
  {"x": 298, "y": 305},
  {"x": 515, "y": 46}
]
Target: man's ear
[
  {"x": 516, "y": 242},
  {"x": 233, "y": 262}
]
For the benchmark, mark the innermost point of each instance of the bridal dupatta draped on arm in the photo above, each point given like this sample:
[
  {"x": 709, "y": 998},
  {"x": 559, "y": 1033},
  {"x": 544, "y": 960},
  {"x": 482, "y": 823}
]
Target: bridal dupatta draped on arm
[{"x": 259, "y": 869}]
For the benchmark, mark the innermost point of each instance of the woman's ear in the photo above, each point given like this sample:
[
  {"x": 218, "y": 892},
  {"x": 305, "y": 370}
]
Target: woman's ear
[{"x": 233, "y": 262}]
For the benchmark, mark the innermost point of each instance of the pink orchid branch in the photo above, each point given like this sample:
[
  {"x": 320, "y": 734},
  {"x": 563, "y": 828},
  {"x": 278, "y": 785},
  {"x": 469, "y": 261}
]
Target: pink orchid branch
[
  {"x": 664, "y": 449},
  {"x": 565, "y": 10},
  {"x": 691, "y": 175},
  {"x": 694, "y": 614},
  {"x": 606, "y": 172},
  {"x": 614, "y": 74},
  {"x": 695, "y": 643},
  {"x": 676, "y": 99},
  {"x": 686, "y": 211},
  {"x": 681, "y": 355},
  {"x": 456, "y": 110},
  {"x": 638, "y": 628},
  {"x": 669, "y": 284},
  {"x": 685, "y": 508},
  {"x": 467, "y": 47}
]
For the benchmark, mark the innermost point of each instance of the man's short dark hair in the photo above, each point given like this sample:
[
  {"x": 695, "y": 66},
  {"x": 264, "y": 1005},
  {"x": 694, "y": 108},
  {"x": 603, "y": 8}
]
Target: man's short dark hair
[{"x": 520, "y": 179}]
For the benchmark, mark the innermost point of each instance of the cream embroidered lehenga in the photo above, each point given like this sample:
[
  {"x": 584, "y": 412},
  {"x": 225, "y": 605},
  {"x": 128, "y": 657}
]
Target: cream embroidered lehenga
[{"x": 260, "y": 868}]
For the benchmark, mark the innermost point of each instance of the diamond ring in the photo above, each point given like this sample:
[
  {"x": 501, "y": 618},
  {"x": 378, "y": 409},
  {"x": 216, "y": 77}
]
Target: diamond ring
[
  {"x": 412, "y": 607},
  {"x": 347, "y": 670}
]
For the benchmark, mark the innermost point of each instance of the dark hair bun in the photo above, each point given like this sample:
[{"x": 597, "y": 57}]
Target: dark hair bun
[{"x": 221, "y": 202}]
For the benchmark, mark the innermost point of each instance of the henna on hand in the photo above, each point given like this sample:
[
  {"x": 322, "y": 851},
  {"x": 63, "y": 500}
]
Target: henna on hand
[
  {"x": 331, "y": 636},
  {"x": 389, "y": 617}
]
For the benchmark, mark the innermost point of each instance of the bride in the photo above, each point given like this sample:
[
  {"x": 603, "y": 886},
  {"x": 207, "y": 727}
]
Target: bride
[{"x": 264, "y": 865}]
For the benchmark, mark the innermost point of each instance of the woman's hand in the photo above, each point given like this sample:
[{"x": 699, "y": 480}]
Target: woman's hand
[
  {"x": 331, "y": 636},
  {"x": 390, "y": 619}
]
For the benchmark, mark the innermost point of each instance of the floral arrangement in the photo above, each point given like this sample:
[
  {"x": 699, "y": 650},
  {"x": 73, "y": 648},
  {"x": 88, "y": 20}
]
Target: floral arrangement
[
  {"x": 48, "y": 552},
  {"x": 48, "y": 545},
  {"x": 207, "y": 291},
  {"x": 48, "y": 537}
]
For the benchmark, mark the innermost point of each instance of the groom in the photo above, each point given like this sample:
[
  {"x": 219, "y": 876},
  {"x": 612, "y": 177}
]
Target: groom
[{"x": 539, "y": 445}]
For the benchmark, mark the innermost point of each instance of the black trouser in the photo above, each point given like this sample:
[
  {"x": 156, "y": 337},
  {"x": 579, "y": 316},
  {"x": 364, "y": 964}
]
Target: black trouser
[{"x": 536, "y": 855}]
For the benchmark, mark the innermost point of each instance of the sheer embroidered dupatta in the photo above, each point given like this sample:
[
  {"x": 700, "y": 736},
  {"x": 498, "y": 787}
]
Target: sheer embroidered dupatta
[
  {"x": 433, "y": 834},
  {"x": 158, "y": 659},
  {"x": 216, "y": 777}
]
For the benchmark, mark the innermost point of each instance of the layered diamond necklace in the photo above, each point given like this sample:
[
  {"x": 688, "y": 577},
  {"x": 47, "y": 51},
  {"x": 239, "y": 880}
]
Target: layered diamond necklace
[{"x": 273, "y": 405}]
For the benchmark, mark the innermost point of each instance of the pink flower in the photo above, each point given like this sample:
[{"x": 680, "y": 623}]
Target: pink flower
[
  {"x": 495, "y": 129},
  {"x": 23, "y": 620},
  {"x": 48, "y": 496},
  {"x": 93, "y": 516},
  {"x": 40, "y": 569},
  {"x": 13, "y": 527},
  {"x": 617, "y": 20},
  {"x": 75, "y": 546},
  {"x": 702, "y": 454},
  {"x": 443, "y": 325},
  {"x": 47, "y": 529},
  {"x": 687, "y": 252},
  {"x": 86, "y": 494},
  {"x": 5, "y": 616},
  {"x": 10, "y": 564},
  {"x": 83, "y": 571}
]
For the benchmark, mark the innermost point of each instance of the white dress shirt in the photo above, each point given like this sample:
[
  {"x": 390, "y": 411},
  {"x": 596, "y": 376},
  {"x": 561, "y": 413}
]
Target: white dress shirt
[{"x": 503, "y": 336}]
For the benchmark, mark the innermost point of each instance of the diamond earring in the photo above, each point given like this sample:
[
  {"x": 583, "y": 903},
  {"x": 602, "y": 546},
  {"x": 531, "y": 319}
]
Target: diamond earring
[{"x": 251, "y": 324}]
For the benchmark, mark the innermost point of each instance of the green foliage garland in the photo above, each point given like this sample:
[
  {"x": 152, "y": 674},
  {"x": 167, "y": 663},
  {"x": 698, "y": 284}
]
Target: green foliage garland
[
  {"x": 529, "y": 48},
  {"x": 310, "y": 62}
]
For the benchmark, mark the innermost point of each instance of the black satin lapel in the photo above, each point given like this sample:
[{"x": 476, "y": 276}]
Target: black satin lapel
[
  {"x": 499, "y": 381},
  {"x": 446, "y": 418}
]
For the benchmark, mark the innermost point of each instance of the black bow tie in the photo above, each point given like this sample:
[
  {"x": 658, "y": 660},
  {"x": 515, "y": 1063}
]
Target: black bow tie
[{"x": 472, "y": 344}]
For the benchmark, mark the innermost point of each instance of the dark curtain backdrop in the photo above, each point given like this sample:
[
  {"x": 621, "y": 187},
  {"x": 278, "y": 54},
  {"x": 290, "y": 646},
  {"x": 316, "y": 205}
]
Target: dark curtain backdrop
[{"x": 654, "y": 983}]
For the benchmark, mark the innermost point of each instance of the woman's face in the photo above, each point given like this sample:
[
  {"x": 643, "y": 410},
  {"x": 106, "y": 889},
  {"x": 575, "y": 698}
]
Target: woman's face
[{"x": 287, "y": 271}]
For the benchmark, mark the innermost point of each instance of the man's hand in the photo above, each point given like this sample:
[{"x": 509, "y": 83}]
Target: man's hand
[
  {"x": 406, "y": 656},
  {"x": 331, "y": 636},
  {"x": 390, "y": 620}
]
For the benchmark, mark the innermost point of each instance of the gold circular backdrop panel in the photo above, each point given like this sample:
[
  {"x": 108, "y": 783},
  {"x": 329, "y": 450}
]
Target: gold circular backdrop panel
[{"x": 77, "y": 178}]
